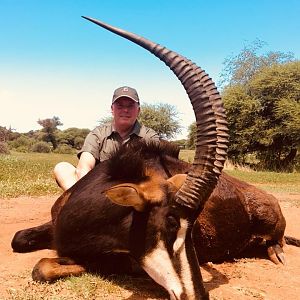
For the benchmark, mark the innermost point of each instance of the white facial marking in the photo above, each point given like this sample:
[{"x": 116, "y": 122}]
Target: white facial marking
[
  {"x": 180, "y": 235},
  {"x": 159, "y": 266},
  {"x": 180, "y": 250}
]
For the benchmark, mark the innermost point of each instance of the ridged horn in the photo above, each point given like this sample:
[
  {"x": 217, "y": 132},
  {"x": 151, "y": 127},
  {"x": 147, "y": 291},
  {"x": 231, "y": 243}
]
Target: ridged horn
[{"x": 212, "y": 136}]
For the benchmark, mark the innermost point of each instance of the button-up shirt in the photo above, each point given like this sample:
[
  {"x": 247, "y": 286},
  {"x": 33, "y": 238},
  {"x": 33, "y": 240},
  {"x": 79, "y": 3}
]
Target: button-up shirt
[{"x": 103, "y": 140}]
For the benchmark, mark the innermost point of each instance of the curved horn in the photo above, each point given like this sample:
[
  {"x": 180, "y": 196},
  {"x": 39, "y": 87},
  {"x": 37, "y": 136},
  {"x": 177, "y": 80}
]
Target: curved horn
[{"x": 212, "y": 137}]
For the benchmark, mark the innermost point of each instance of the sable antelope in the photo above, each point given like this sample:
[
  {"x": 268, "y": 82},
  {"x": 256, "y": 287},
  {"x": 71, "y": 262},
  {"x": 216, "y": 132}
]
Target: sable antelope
[
  {"x": 143, "y": 207},
  {"x": 164, "y": 249}
]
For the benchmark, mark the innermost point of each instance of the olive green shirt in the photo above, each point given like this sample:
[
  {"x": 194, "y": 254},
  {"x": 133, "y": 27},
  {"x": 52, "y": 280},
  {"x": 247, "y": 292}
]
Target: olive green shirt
[{"x": 101, "y": 141}]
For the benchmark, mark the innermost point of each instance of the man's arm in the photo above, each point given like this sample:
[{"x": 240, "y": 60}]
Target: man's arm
[{"x": 86, "y": 163}]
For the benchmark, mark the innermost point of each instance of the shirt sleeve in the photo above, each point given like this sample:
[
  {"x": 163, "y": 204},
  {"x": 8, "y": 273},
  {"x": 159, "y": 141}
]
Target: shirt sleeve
[
  {"x": 148, "y": 134},
  {"x": 91, "y": 144}
]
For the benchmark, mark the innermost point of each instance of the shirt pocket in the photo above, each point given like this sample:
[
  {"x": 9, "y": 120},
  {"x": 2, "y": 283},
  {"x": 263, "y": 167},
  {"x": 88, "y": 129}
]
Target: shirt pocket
[{"x": 108, "y": 146}]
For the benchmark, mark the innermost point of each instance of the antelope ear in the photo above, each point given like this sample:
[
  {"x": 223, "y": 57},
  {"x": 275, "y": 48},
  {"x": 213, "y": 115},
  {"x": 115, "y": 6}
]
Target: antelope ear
[
  {"x": 177, "y": 180},
  {"x": 126, "y": 195}
]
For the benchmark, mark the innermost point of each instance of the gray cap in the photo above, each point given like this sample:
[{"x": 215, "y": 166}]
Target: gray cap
[{"x": 126, "y": 91}]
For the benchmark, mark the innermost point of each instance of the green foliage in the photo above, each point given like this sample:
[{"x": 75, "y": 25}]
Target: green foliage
[
  {"x": 262, "y": 102},
  {"x": 73, "y": 137},
  {"x": 239, "y": 69},
  {"x": 22, "y": 143},
  {"x": 191, "y": 141},
  {"x": 68, "y": 141},
  {"x": 41, "y": 147},
  {"x": 243, "y": 121},
  {"x": 78, "y": 142},
  {"x": 163, "y": 118},
  {"x": 64, "y": 149},
  {"x": 49, "y": 128}
]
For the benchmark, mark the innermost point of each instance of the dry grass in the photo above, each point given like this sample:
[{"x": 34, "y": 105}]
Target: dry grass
[{"x": 90, "y": 287}]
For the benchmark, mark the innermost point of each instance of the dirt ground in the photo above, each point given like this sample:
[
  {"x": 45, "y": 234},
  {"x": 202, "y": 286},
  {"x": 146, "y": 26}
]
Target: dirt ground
[{"x": 246, "y": 278}]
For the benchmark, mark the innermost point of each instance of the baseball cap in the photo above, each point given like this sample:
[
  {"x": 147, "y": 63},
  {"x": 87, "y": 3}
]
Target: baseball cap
[{"x": 126, "y": 91}]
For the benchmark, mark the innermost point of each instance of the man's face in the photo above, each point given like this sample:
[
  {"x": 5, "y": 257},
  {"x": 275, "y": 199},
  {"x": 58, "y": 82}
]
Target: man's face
[{"x": 125, "y": 112}]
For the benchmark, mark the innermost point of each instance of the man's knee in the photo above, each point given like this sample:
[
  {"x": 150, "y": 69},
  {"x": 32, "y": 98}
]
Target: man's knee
[
  {"x": 65, "y": 175},
  {"x": 63, "y": 168}
]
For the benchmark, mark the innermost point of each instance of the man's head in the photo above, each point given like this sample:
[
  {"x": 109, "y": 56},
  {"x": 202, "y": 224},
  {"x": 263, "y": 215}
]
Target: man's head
[{"x": 125, "y": 107}]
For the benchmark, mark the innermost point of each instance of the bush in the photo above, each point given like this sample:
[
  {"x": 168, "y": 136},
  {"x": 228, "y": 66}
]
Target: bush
[
  {"x": 78, "y": 142},
  {"x": 41, "y": 147},
  {"x": 23, "y": 149},
  {"x": 4, "y": 148},
  {"x": 22, "y": 143},
  {"x": 64, "y": 149}
]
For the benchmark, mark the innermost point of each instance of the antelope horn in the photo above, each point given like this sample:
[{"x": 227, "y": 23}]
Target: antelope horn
[{"x": 212, "y": 136}]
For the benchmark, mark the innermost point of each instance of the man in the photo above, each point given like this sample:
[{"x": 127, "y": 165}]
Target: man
[{"x": 101, "y": 141}]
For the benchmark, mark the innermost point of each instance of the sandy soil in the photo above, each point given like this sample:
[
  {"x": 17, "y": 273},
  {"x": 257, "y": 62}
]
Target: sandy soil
[{"x": 246, "y": 278}]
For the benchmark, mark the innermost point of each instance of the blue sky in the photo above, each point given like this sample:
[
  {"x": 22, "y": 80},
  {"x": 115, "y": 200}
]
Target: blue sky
[{"x": 55, "y": 63}]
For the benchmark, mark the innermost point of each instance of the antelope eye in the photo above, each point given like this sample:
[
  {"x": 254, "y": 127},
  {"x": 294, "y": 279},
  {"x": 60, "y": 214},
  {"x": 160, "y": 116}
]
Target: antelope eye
[
  {"x": 172, "y": 227},
  {"x": 172, "y": 223}
]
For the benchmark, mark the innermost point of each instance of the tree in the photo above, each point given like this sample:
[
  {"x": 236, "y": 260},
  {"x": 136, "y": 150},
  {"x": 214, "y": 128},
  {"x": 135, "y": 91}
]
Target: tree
[
  {"x": 241, "y": 68},
  {"x": 163, "y": 118},
  {"x": 73, "y": 137},
  {"x": 191, "y": 141},
  {"x": 264, "y": 115},
  {"x": 49, "y": 129},
  {"x": 277, "y": 88},
  {"x": 244, "y": 122}
]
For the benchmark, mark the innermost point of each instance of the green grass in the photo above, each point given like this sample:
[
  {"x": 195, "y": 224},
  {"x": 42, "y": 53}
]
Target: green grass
[
  {"x": 187, "y": 155},
  {"x": 269, "y": 181},
  {"x": 29, "y": 173}
]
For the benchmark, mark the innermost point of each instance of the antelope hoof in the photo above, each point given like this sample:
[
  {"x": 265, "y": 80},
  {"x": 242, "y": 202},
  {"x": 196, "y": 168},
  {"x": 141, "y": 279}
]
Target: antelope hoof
[
  {"x": 276, "y": 254},
  {"x": 52, "y": 269},
  {"x": 37, "y": 272}
]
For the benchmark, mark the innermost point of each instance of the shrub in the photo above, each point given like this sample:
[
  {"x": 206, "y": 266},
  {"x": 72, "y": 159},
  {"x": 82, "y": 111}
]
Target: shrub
[
  {"x": 22, "y": 143},
  {"x": 41, "y": 147},
  {"x": 4, "y": 148},
  {"x": 23, "y": 149},
  {"x": 64, "y": 149},
  {"x": 78, "y": 142}
]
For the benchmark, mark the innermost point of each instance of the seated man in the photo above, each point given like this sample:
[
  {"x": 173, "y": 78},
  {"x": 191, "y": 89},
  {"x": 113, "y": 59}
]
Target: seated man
[{"x": 101, "y": 141}]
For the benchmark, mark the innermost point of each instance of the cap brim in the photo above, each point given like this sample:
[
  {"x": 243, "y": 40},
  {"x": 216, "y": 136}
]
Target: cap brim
[{"x": 125, "y": 96}]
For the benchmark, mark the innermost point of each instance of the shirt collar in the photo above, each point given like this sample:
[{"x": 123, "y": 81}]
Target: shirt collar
[{"x": 135, "y": 130}]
